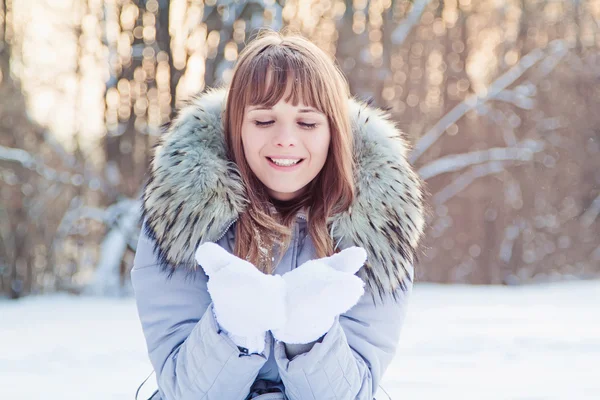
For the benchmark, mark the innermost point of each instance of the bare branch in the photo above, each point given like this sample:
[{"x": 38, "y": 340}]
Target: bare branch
[
  {"x": 400, "y": 34},
  {"x": 50, "y": 174},
  {"x": 17, "y": 155},
  {"x": 590, "y": 215},
  {"x": 106, "y": 276},
  {"x": 515, "y": 98},
  {"x": 109, "y": 216},
  {"x": 456, "y": 162},
  {"x": 477, "y": 99},
  {"x": 121, "y": 220},
  {"x": 560, "y": 48},
  {"x": 511, "y": 233},
  {"x": 72, "y": 216},
  {"x": 464, "y": 180},
  {"x": 507, "y": 124}
]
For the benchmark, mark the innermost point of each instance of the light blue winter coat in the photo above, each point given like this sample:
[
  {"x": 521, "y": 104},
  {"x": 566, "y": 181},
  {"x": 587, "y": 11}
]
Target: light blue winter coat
[{"x": 194, "y": 195}]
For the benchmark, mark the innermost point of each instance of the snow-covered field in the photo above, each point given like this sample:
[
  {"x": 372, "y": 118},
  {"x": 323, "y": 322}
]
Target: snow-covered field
[{"x": 459, "y": 342}]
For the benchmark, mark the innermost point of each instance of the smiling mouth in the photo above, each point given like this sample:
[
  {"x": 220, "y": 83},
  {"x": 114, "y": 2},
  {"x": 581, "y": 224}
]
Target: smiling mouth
[{"x": 285, "y": 162}]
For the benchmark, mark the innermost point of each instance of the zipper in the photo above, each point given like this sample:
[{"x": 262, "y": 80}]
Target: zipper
[
  {"x": 295, "y": 248},
  {"x": 226, "y": 229},
  {"x": 301, "y": 215}
]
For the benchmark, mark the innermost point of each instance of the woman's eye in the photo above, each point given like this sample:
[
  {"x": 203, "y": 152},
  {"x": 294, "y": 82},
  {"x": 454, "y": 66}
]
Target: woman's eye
[
  {"x": 263, "y": 123},
  {"x": 304, "y": 125},
  {"x": 307, "y": 126}
]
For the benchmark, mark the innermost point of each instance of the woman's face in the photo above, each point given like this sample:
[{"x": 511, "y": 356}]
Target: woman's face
[{"x": 286, "y": 146}]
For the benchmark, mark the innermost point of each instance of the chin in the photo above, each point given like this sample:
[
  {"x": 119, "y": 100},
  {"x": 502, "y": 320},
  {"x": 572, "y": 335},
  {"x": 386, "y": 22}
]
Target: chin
[{"x": 284, "y": 193}]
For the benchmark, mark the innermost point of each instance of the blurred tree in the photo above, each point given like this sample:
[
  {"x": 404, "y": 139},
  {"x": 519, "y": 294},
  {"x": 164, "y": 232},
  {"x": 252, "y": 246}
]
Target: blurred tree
[
  {"x": 499, "y": 99},
  {"x": 18, "y": 235},
  {"x": 138, "y": 92}
]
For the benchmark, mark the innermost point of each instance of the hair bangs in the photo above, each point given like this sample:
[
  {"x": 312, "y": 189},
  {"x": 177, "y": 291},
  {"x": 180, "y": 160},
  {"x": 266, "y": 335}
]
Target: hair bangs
[{"x": 279, "y": 73}]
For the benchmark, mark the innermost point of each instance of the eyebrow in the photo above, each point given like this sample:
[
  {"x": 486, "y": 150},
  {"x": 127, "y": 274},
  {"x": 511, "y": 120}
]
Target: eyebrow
[
  {"x": 309, "y": 110},
  {"x": 302, "y": 110}
]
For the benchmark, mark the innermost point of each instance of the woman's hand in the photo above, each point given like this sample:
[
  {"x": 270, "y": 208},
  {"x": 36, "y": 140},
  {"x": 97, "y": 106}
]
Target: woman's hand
[
  {"x": 247, "y": 302},
  {"x": 317, "y": 292}
]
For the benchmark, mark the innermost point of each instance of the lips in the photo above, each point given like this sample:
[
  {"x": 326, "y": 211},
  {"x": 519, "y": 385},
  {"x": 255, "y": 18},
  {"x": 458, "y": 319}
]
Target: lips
[
  {"x": 284, "y": 167},
  {"x": 285, "y": 161}
]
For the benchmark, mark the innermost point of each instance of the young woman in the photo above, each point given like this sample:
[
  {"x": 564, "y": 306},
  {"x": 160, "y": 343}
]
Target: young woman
[{"x": 264, "y": 201}]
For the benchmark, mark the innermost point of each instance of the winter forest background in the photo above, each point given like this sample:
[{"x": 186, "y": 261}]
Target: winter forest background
[{"x": 499, "y": 98}]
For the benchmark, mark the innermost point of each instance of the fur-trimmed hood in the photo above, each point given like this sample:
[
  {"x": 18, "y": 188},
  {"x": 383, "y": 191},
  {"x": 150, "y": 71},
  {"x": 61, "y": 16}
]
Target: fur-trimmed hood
[{"x": 194, "y": 193}]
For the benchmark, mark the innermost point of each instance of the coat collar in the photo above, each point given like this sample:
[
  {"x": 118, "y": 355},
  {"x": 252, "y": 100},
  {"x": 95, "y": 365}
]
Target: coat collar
[{"x": 194, "y": 194}]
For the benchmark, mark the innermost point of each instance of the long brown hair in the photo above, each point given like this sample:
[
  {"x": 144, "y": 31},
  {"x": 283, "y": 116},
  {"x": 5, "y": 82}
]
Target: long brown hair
[{"x": 289, "y": 59}]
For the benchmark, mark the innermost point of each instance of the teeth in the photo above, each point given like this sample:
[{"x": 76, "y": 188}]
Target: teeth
[{"x": 284, "y": 162}]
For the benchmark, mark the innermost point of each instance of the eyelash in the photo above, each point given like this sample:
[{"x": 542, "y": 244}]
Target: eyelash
[{"x": 268, "y": 123}]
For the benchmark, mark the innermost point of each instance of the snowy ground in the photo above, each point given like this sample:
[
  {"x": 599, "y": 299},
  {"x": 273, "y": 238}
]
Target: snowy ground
[{"x": 459, "y": 342}]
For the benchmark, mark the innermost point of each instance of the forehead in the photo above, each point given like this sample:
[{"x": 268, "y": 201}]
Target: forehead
[
  {"x": 300, "y": 107},
  {"x": 271, "y": 85},
  {"x": 285, "y": 93}
]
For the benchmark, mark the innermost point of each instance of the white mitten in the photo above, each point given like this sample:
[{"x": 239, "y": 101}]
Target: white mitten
[
  {"x": 317, "y": 292},
  {"x": 247, "y": 303}
]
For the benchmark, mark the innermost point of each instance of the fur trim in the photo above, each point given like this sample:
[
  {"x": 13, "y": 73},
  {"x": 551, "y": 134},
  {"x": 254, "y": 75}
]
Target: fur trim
[{"x": 194, "y": 193}]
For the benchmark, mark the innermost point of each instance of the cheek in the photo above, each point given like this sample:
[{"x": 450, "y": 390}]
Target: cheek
[
  {"x": 321, "y": 148},
  {"x": 251, "y": 146},
  {"x": 246, "y": 141}
]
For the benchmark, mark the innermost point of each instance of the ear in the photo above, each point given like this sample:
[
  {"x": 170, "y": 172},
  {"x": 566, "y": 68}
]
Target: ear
[
  {"x": 212, "y": 257},
  {"x": 349, "y": 260}
]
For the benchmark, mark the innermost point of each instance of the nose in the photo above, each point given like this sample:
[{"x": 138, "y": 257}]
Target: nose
[{"x": 285, "y": 137}]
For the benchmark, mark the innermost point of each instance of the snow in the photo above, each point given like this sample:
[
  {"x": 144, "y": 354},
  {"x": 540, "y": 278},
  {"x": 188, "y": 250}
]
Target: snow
[{"x": 469, "y": 342}]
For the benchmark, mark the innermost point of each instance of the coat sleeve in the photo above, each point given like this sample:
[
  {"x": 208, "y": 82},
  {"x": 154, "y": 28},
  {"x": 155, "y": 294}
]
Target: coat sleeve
[
  {"x": 349, "y": 361},
  {"x": 192, "y": 357}
]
